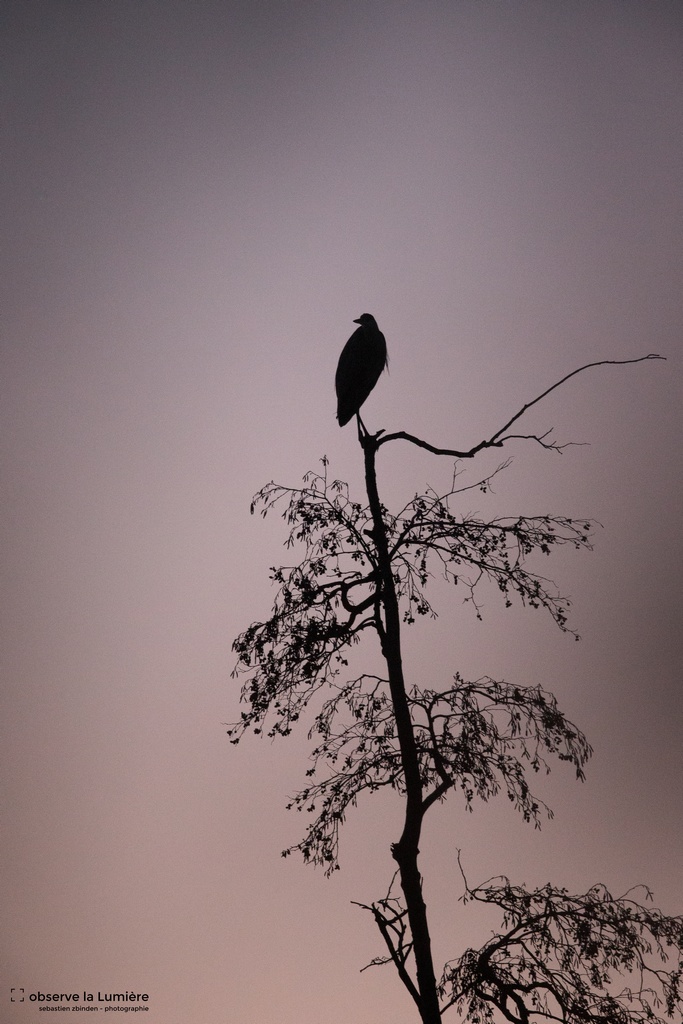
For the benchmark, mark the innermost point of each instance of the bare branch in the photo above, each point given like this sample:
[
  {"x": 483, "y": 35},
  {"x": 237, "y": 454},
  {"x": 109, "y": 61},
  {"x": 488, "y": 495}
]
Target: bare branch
[
  {"x": 497, "y": 440},
  {"x": 391, "y": 919}
]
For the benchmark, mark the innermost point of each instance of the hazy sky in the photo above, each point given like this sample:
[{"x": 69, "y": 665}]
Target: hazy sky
[{"x": 198, "y": 199}]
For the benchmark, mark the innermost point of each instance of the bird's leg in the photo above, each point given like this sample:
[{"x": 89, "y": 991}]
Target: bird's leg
[{"x": 364, "y": 434}]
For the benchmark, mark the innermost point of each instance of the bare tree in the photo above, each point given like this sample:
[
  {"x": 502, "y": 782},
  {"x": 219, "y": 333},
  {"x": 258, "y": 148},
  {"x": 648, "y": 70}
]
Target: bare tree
[{"x": 363, "y": 569}]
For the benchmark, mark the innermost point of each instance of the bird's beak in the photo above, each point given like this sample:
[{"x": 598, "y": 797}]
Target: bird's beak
[{"x": 357, "y": 321}]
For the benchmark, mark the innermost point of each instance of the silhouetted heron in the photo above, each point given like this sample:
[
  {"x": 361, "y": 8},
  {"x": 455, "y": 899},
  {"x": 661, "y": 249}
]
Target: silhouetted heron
[{"x": 363, "y": 358}]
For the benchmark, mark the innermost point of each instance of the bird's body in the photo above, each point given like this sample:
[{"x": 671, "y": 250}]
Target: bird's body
[{"x": 360, "y": 366}]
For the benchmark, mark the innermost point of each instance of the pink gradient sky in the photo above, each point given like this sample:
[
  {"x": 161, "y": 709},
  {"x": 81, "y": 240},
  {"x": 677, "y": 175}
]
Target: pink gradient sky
[{"x": 198, "y": 199}]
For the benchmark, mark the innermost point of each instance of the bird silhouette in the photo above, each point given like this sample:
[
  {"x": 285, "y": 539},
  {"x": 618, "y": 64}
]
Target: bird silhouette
[{"x": 360, "y": 366}]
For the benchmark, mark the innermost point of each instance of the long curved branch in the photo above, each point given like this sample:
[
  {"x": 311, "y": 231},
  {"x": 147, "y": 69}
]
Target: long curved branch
[{"x": 498, "y": 439}]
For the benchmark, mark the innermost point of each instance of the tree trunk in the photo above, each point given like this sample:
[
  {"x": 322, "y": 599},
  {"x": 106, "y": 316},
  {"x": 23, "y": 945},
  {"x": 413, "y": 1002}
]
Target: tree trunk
[{"x": 406, "y": 850}]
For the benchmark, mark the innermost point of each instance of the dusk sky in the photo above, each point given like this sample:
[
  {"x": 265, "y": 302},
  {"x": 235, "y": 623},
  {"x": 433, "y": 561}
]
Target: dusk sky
[{"x": 198, "y": 199}]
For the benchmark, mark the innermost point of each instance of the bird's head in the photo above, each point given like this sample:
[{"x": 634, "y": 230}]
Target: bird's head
[{"x": 366, "y": 319}]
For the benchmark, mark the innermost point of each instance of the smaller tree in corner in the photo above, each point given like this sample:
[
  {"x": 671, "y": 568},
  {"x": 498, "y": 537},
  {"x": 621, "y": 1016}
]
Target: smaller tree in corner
[{"x": 360, "y": 569}]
